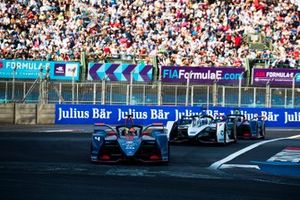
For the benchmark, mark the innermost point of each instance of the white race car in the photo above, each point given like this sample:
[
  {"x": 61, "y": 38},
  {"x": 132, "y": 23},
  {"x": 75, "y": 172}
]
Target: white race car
[{"x": 202, "y": 129}]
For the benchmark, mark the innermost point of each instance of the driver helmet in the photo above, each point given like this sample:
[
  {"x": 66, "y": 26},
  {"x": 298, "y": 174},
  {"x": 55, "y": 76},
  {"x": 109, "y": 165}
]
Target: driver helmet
[{"x": 132, "y": 130}]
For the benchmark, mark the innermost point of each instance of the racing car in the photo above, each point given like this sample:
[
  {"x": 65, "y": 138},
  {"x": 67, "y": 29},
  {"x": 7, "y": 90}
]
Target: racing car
[
  {"x": 203, "y": 129},
  {"x": 249, "y": 129},
  {"x": 129, "y": 142}
]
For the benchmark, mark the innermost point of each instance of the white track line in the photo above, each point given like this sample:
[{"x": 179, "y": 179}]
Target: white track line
[{"x": 218, "y": 164}]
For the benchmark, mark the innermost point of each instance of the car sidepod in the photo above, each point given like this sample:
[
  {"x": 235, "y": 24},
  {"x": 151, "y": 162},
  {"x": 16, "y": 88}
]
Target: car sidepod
[
  {"x": 225, "y": 132},
  {"x": 96, "y": 144},
  {"x": 257, "y": 129}
]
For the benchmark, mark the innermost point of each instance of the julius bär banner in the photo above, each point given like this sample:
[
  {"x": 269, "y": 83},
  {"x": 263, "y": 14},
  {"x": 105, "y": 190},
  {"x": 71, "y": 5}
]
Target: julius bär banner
[
  {"x": 201, "y": 75},
  {"x": 31, "y": 69},
  {"x": 144, "y": 115},
  {"x": 275, "y": 77}
]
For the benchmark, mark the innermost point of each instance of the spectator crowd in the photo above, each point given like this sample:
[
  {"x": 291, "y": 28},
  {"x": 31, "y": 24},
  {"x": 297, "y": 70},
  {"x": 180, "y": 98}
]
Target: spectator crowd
[{"x": 178, "y": 32}]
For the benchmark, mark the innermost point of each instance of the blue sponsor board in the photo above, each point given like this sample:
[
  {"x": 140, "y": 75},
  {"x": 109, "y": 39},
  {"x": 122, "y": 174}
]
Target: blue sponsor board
[
  {"x": 201, "y": 75},
  {"x": 113, "y": 114},
  {"x": 28, "y": 69},
  {"x": 119, "y": 72}
]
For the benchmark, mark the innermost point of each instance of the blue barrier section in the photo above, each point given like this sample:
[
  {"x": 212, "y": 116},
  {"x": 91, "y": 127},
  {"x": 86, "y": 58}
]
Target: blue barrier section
[
  {"x": 279, "y": 168},
  {"x": 114, "y": 114}
]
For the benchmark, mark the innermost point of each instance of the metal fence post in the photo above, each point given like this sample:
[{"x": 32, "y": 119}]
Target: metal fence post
[
  {"x": 94, "y": 94},
  {"x": 187, "y": 91},
  {"x": 13, "y": 84},
  {"x": 223, "y": 95},
  {"x": 192, "y": 95},
  {"x": 215, "y": 93},
  {"x": 159, "y": 87},
  {"x": 130, "y": 89},
  {"x": 159, "y": 97},
  {"x": 24, "y": 89},
  {"x": 285, "y": 98},
  {"x": 73, "y": 85},
  {"x": 6, "y": 91},
  {"x": 254, "y": 97},
  {"x": 293, "y": 91},
  {"x": 268, "y": 95},
  {"x": 59, "y": 93},
  {"x": 103, "y": 86},
  {"x": 40, "y": 85},
  {"x": 240, "y": 89},
  {"x": 207, "y": 96}
]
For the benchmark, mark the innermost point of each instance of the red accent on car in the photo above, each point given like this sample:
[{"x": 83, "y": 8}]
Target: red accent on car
[
  {"x": 246, "y": 134},
  {"x": 146, "y": 133},
  {"x": 99, "y": 124},
  {"x": 157, "y": 124},
  {"x": 111, "y": 133},
  {"x": 154, "y": 157},
  {"x": 105, "y": 157}
]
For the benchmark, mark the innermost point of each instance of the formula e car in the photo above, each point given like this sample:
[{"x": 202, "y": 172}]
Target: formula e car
[
  {"x": 129, "y": 142},
  {"x": 249, "y": 129},
  {"x": 203, "y": 129}
]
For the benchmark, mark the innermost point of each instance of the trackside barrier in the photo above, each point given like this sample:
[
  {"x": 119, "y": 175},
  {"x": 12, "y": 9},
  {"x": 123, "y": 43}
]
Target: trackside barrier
[
  {"x": 27, "y": 113},
  {"x": 115, "y": 114},
  {"x": 45, "y": 113},
  {"x": 7, "y": 113}
]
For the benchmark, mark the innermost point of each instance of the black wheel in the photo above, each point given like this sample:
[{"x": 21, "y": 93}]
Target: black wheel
[
  {"x": 225, "y": 134},
  {"x": 234, "y": 137},
  {"x": 174, "y": 132},
  {"x": 263, "y": 132},
  {"x": 168, "y": 153}
]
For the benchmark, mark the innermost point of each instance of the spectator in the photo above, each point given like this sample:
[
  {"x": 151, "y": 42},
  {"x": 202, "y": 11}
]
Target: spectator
[{"x": 179, "y": 32}]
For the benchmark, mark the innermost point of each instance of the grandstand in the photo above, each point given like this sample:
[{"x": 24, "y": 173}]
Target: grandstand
[{"x": 198, "y": 33}]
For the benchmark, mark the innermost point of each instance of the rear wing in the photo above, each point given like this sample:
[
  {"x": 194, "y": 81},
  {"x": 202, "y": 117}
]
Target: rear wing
[
  {"x": 258, "y": 118},
  {"x": 104, "y": 128}
]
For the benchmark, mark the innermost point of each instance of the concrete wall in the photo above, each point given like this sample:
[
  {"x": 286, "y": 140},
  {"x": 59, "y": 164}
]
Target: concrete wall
[
  {"x": 7, "y": 113},
  {"x": 46, "y": 114},
  {"x": 27, "y": 113}
]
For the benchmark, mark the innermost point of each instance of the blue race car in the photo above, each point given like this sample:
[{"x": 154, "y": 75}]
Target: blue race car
[
  {"x": 249, "y": 129},
  {"x": 129, "y": 142}
]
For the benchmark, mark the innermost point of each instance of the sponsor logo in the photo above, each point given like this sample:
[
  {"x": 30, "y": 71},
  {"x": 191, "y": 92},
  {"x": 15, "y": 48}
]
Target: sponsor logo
[
  {"x": 59, "y": 69},
  {"x": 71, "y": 70}
]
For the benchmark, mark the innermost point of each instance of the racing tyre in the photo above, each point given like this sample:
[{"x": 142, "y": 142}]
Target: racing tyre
[
  {"x": 263, "y": 132},
  {"x": 225, "y": 134},
  {"x": 174, "y": 132},
  {"x": 234, "y": 134}
]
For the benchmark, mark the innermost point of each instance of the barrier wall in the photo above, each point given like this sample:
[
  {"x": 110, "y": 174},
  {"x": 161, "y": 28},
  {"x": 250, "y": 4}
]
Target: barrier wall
[
  {"x": 27, "y": 113},
  {"x": 113, "y": 114},
  {"x": 46, "y": 114}
]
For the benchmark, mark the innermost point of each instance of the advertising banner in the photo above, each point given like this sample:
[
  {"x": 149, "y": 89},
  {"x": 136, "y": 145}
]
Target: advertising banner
[
  {"x": 28, "y": 69},
  {"x": 275, "y": 77},
  {"x": 119, "y": 72},
  {"x": 144, "y": 115},
  {"x": 201, "y": 75}
]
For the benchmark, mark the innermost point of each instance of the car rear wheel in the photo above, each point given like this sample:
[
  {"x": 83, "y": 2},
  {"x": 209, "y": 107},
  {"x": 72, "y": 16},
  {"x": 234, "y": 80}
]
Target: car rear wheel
[{"x": 174, "y": 132}]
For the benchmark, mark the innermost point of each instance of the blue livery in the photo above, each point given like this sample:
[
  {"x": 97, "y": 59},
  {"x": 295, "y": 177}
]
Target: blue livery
[{"x": 129, "y": 142}]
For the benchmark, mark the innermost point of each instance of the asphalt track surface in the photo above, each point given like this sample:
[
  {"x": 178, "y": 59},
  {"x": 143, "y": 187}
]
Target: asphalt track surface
[{"x": 52, "y": 162}]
